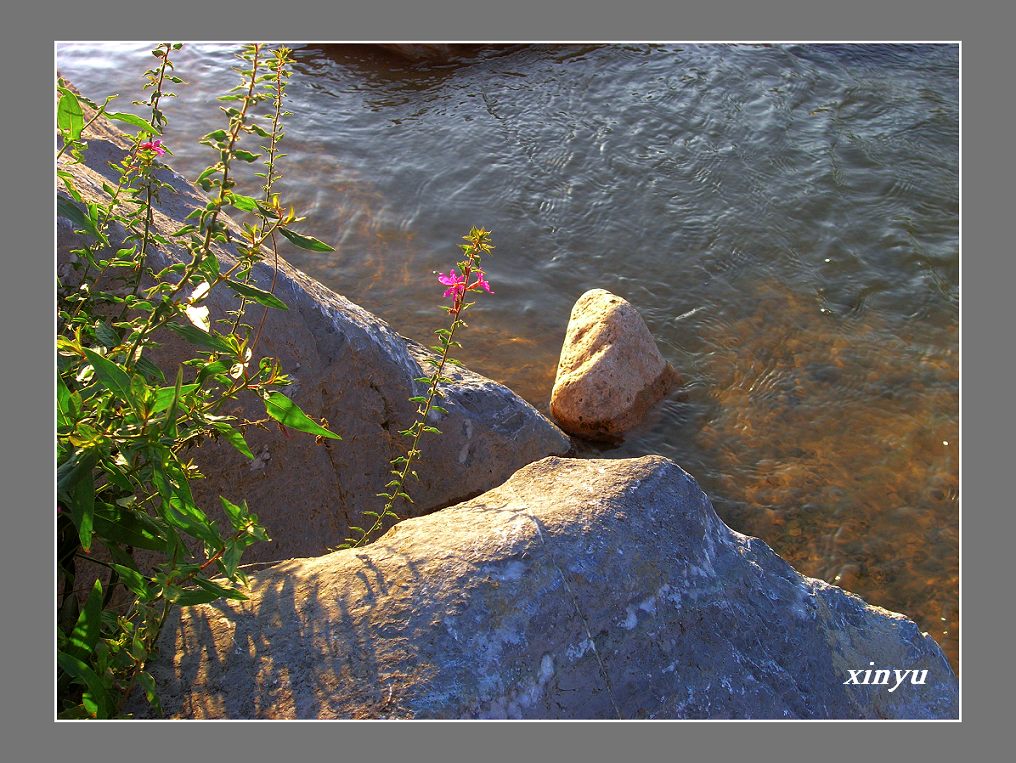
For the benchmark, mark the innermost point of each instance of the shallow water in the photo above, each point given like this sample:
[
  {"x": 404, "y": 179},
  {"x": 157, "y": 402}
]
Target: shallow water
[{"x": 786, "y": 218}]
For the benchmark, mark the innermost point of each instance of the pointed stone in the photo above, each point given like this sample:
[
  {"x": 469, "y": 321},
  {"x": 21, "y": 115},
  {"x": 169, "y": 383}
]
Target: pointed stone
[{"x": 610, "y": 372}]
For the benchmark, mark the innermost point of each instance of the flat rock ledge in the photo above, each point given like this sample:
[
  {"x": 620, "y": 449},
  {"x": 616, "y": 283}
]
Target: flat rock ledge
[
  {"x": 577, "y": 589},
  {"x": 348, "y": 366}
]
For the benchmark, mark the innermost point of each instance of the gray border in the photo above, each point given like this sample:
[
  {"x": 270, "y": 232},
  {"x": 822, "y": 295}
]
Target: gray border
[{"x": 28, "y": 314}]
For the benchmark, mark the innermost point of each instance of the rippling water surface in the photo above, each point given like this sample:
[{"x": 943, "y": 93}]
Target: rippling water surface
[{"x": 785, "y": 218}]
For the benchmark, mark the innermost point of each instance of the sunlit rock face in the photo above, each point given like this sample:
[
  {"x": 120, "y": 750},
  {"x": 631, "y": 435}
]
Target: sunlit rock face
[{"x": 577, "y": 589}]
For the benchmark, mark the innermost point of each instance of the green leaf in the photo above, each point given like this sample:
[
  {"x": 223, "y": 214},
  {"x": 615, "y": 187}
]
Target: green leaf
[
  {"x": 110, "y": 374},
  {"x": 245, "y": 203},
  {"x": 128, "y": 528},
  {"x": 85, "y": 675},
  {"x": 309, "y": 243},
  {"x": 87, "y": 630},
  {"x": 164, "y": 396},
  {"x": 82, "y": 506},
  {"x": 258, "y": 295},
  {"x": 216, "y": 370},
  {"x": 68, "y": 180},
  {"x": 134, "y": 580},
  {"x": 207, "y": 173},
  {"x": 246, "y": 156},
  {"x": 220, "y": 590},
  {"x": 75, "y": 486},
  {"x": 72, "y": 471},
  {"x": 135, "y": 121},
  {"x": 148, "y": 684},
  {"x": 194, "y": 335},
  {"x": 234, "y": 437},
  {"x": 178, "y": 507},
  {"x": 215, "y": 135},
  {"x": 237, "y": 514},
  {"x": 169, "y": 428},
  {"x": 230, "y": 558},
  {"x": 69, "y": 117},
  {"x": 148, "y": 368},
  {"x": 63, "y": 402},
  {"x": 105, "y": 334},
  {"x": 265, "y": 210},
  {"x": 65, "y": 208},
  {"x": 210, "y": 267},
  {"x": 286, "y": 412},
  {"x": 192, "y": 596}
]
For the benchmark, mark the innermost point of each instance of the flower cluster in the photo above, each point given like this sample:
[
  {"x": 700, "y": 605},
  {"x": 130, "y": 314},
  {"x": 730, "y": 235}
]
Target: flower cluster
[
  {"x": 153, "y": 145},
  {"x": 456, "y": 283}
]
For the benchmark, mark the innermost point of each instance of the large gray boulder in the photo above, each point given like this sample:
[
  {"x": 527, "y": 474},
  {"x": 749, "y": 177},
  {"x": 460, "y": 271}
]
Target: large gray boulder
[
  {"x": 348, "y": 366},
  {"x": 577, "y": 589}
]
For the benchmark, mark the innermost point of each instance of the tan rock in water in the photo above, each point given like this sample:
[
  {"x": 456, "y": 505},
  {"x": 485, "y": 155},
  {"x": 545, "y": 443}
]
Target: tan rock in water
[{"x": 610, "y": 372}]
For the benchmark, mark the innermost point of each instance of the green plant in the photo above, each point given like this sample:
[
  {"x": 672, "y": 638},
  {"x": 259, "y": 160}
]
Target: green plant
[
  {"x": 458, "y": 283},
  {"x": 123, "y": 429}
]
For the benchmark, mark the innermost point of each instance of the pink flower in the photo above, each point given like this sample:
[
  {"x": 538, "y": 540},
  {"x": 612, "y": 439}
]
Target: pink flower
[
  {"x": 482, "y": 282},
  {"x": 456, "y": 283},
  {"x": 153, "y": 145}
]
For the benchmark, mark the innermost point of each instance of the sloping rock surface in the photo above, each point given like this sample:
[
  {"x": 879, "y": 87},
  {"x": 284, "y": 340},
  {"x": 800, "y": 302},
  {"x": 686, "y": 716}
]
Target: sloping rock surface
[
  {"x": 577, "y": 589},
  {"x": 348, "y": 366},
  {"x": 610, "y": 372}
]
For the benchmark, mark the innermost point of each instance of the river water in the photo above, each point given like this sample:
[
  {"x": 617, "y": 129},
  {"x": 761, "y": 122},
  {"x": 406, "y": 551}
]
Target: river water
[{"x": 785, "y": 217}]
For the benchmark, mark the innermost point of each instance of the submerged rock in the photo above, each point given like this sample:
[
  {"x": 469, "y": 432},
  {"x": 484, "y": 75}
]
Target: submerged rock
[
  {"x": 577, "y": 589},
  {"x": 347, "y": 366},
  {"x": 611, "y": 371},
  {"x": 424, "y": 51}
]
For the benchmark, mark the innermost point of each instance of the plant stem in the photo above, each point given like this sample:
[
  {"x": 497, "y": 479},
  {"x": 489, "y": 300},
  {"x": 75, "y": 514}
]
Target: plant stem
[
  {"x": 420, "y": 425},
  {"x": 236, "y": 125}
]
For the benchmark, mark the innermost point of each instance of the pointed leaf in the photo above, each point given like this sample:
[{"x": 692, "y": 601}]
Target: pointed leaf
[
  {"x": 309, "y": 243},
  {"x": 135, "y": 121},
  {"x": 234, "y": 437},
  {"x": 86, "y": 631},
  {"x": 63, "y": 402},
  {"x": 86, "y": 676},
  {"x": 164, "y": 396},
  {"x": 128, "y": 528},
  {"x": 136, "y": 582},
  {"x": 114, "y": 378},
  {"x": 69, "y": 117},
  {"x": 65, "y": 208},
  {"x": 258, "y": 295},
  {"x": 193, "y": 596},
  {"x": 148, "y": 684},
  {"x": 245, "y": 203},
  {"x": 237, "y": 514},
  {"x": 81, "y": 497},
  {"x": 285, "y": 411},
  {"x": 169, "y": 428},
  {"x": 194, "y": 335}
]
